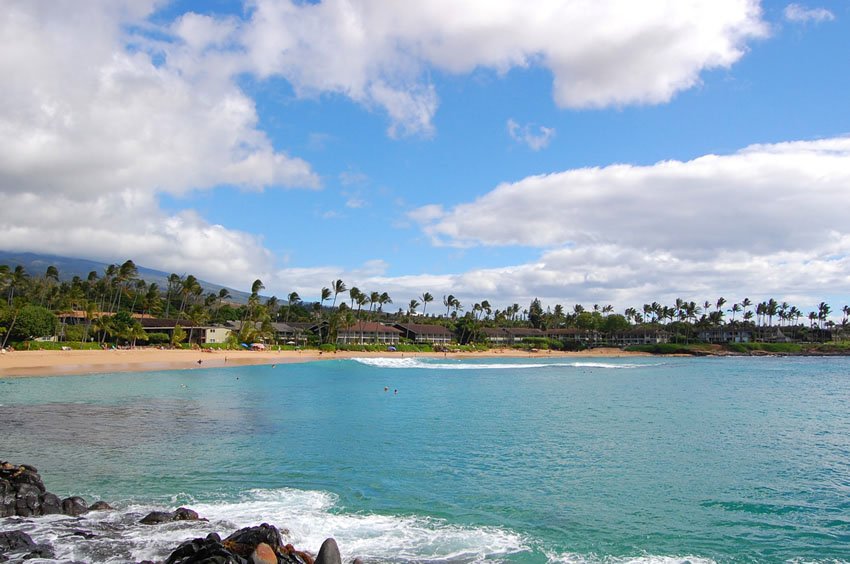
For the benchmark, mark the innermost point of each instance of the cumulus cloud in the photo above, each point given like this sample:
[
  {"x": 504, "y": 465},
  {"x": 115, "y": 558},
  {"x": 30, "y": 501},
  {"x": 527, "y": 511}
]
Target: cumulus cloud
[
  {"x": 98, "y": 121},
  {"x": 605, "y": 53},
  {"x": 526, "y": 135},
  {"x": 769, "y": 218},
  {"x": 797, "y": 13}
]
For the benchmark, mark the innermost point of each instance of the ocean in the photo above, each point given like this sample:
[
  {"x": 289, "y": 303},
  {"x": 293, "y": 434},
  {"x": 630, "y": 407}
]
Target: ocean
[{"x": 644, "y": 460}]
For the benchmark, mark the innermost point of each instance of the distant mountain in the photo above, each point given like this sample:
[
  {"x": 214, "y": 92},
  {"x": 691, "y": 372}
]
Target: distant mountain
[{"x": 36, "y": 264}]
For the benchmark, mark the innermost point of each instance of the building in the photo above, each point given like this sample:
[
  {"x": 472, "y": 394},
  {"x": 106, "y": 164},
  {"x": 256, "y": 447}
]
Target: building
[
  {"x": 587, "y": 337},
  {"x": 639, "y": 336},
  {"x": 519, "y": 334},
  {"x": 426, "y": 334},
  {"x": 725, "y": 335},
  {"x": 496, "y": 335},
  {"x": 368, "y": 332}
]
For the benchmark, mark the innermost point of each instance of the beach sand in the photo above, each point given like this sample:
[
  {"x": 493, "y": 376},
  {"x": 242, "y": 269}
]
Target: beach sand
[{"x": 50, "y": 363}]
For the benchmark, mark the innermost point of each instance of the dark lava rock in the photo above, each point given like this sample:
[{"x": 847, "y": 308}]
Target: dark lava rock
[
  {"x": 185, "y": 514},
  {"x": 100, "y": 506},
  {"x": 20, "y": 545},
  {"x": 74, "y": 506},
  {"x": 26, "y": 500},
  {"x": 179, "y": 514},
  {"x": 15, "y": 541},
  {"x": 50, "y": 504},
  {"x": 22, "y": 494},
  {"x": 157, "y": 517},
  {"x": 7, "y": 499},
  {"x": 329, "y": 553},
  {"x": 242, "y": 547},
  {"x": 209, "y": 550}
]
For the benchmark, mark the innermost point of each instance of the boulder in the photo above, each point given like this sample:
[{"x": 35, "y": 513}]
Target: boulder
[
  {"x": 7, "y": 499},
  {"x": 244, "y": 541},
  {"x": 263, "y": 554},
  {"x": 26, "y": 500},
  {"x": 21, "y": 546},
  {"x": 50, "y": 504},
  {"x": 157, "y": 517},
  {"x": 74, "y": 506},
  {"x": 179, "y": 514},
  {"x": 100, "y": 506},
  {"x": 329, "y": 553}
]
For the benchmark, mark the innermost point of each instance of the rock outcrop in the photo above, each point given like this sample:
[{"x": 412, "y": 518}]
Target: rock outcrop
[
  {"x": 22, "y": 494},
  {"x": 179, "y": 514},
  {"x": 252, "y": 545},
  {"x": 19, "y": 545}
]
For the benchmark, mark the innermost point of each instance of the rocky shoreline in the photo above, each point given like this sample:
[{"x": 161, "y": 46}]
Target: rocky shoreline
[{"x": 23, "y": 495}]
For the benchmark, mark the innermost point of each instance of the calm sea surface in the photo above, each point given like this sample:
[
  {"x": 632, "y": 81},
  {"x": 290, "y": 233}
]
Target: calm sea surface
[{"x": 519, "y": 460}]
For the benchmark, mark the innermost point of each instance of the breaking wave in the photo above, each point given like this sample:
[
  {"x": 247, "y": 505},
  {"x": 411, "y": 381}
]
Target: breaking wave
[
  {"x": 383, "y": 362},
  {"x": 309, "y": 517}
]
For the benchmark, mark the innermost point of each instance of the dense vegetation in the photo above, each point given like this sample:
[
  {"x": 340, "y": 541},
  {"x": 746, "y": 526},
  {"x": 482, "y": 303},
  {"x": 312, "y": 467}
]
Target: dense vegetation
[{"x": 106, "y": 307}]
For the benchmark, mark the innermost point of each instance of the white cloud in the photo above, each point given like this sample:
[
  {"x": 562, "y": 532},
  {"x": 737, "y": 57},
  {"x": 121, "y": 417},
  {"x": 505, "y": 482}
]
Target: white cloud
[
  {"x": 525, "y": 134},
  {"x": 766, "y": 220},
  {"x": 93, "y": 127},
  {"x": 797, "y": 13},
  {"x": 604, "y": 53}
]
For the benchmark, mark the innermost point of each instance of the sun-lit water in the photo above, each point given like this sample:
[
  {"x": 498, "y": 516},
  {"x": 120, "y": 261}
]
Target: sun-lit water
[{"x": 521, "y": 460}]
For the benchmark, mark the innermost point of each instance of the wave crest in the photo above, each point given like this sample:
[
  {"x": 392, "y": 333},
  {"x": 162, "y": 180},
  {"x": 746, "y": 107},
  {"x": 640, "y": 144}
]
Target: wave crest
[{"x": 417, "y": 363}]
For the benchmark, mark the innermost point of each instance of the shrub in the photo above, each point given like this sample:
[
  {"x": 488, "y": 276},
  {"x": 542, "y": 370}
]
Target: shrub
[{"x": 158, "y": 338}]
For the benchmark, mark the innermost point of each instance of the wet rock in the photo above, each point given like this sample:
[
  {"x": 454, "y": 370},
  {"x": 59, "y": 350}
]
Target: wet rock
[
  {"x": 179, "y": 514},
  {"x": 157, "y": 517},
  {"x": 74, "y": 506},
  {"x": 7, "y": 499},
  {"x": 185, "y": 514},
  {"x": 209, "y": 550},
  {"x": 20, "y": 545},
  {"x": 244, "y": 541},
  {"x": 50, "y": 504},
  {"x": 22, "y": 494},
  {"x": 26, "y": 500},
  {"x": 100, "y": 506},
  {"x": 329, "y": 553},
  {"x": 15, "y": 541}
]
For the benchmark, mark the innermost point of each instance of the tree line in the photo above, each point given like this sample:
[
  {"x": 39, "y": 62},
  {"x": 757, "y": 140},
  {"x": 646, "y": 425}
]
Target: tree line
[{"x": 110, "y": 303}]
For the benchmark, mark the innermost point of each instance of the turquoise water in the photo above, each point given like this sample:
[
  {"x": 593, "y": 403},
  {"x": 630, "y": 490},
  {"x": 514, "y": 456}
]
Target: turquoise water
[{"x": 596, "y": 460}]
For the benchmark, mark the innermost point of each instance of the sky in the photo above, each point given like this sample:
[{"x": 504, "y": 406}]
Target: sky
[{"x": 575, "y": 151}]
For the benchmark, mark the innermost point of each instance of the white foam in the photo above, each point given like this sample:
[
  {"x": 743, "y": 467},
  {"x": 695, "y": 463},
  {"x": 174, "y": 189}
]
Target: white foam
[
  {"x": 571, "y": 558},
  {"x": 406, "y": 363},
  {"x": 309, "y": 516}
]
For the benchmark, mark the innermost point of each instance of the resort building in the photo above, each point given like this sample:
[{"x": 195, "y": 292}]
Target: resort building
[
  {"x": 496, "y": 335},
  {"x": 368, "y": 332},
  {"x": 519, "y": 334},
  {"x": 721, "y": 335},
  {"x": 426, "y": 334},
  {"x": 639, "y": 336},
  {"x": 587, "y": 337}
]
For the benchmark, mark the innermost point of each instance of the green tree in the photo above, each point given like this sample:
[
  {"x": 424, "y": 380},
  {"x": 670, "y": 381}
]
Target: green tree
[
  {"x": 426, "y": 299},
  {"x": 32, "y": 322}
]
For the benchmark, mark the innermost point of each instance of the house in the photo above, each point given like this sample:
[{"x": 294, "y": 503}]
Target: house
[
  {"x": 368, "y": 332},
  {"x": 424, "y": 333},
  {"x": 200, "y": 333},
  {"x": 215, "y": 334}
]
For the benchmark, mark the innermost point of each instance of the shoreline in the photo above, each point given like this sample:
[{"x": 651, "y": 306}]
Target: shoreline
[{"x": 21, "y": 364}]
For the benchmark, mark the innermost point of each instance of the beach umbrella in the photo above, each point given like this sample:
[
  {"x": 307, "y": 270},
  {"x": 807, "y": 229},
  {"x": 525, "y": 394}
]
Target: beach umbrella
[{"x": 245, "y": 345}]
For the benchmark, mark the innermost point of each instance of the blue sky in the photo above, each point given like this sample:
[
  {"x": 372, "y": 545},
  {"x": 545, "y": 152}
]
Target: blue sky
[{"x": 609, "y": 152}]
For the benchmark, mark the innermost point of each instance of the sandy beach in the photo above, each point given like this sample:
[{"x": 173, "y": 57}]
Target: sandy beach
[{"x": 52, "y": 363}]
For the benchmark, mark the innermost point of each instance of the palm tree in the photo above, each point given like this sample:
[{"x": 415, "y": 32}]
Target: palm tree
[
  {"x": 292, "y": 298},
  {"x": 411, "y": 307},
  {"x": 338, "y": 288},
  {"x": 426, "y": 299},
  {"x": 16, "y": 281},
  {"x": 448, "y": 301}
]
